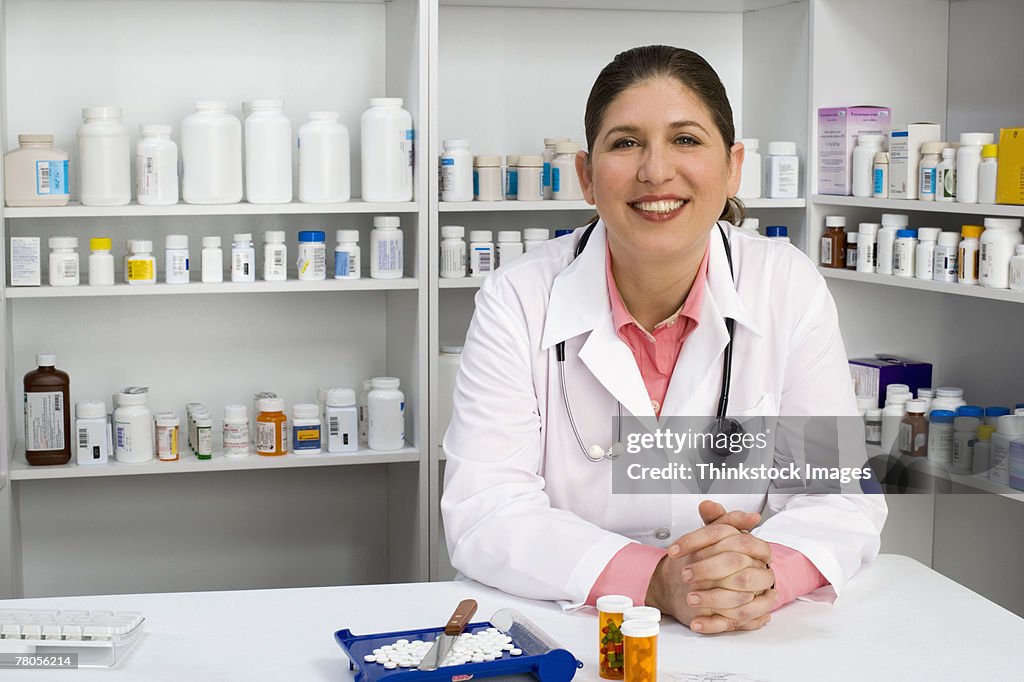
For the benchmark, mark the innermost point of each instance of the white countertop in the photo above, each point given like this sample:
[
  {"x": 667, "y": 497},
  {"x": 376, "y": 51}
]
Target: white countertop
[{"x": 898, "y": 620}]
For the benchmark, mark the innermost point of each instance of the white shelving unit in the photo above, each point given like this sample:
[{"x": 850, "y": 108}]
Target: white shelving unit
[
  {"x": 134, "y": 210},
  {"x": 915, "y": 206},
  {"x": 163, "y": 289},
  {"x": 924, "y": 285}
]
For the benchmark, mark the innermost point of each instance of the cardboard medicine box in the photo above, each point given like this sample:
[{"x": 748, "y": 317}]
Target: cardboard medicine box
[
  {"x": 1010, "y": 171},
  {"x": 905, "y": 157},
  {"x": 838, "y": 128},
  {"x": 872, "y": 375}
]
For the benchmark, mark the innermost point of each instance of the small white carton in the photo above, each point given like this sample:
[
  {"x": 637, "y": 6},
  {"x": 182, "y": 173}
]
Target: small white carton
[{"x": 905, "y": 157}]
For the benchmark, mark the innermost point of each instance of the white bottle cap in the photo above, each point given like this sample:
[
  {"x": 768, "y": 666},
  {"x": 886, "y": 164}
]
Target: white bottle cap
[
  {"x": 1002, "y": 223},
  {"x": 101, "y": 112},
  {"x": 928, "y": 234},
  {"x": 1010, "y": 425},
  {"x": 154, "y": 129},
  {"x": 211, "y": 105},
  {"x": 882, "y": 157},
  {"x": 451, "y": 350},
  {"x": 932, "y": 147},
  {"x": 35, "y": 139},
  {"x": 949, "y": 239},
  {"x": 270, "y": 405},
  {"x": 176, "y": 241},
  {"x": 898, "y": 399},
  {"x": 566, "y": 147},
  {"x": 235, "y": 413},
  {"x": 642, "y": 613},
  {"x": 385, "y": 382},
  {"x": 925, "y": 393},
  {"x": 386, "y": 221},
  {"x": 347, "y": 236},
  {"x": 203, "y": 420},
  {"x": 341, "y": 397},
  {"x": 453, "y": 231},
  {"x": 896, "y": 388},
  {"x": 782, "y": 148},
  {"x": 242, "y": 237},
  {"x": 868, "y": 228},
  {"x": 537, "y": 234},
  {"x": 63, "y": 242},
  {"x": 323, "y": 116},
  {"x": 752, "y": 224},
  {"x": 272, "y": 237},
  {"x": 211, "y": 242},
  {"x": 552, "y": 141},
  {"x": 509, "y": 236},
  {"x": 639, "y": 628},
  {"x": 873, "y": 413},
  {"x": 852, "y": 237},
  {"x": 166, "y": 419},
  {"x": 305, "y": 410},
  {"x": 866, "y": 402},
  {"x": 835, "y": 221},
  {"x": 976, "y": 139},
  {"x": 530, "y": 160},
  {"x": 512, "y": 160},
  {"x": 614, "y": 603},
  {"x": 142, "y": 246},
  {"x": 751, "y": 144},
  {"x": 870, "y": 140},
  {"x": 895, "y": 220},
  {"x": 917, "y": 406},
  {"x": 487, "y": 161},
  {"x": 127, "y": 399},
  {"x": 457, "y": 143},
  {"x": 950, "y": 392},
  {"x": 480, "y": 236},
  {"x": 90, "y": 409},
  {"x": 949, "y": 153},
  {"x": 385, "y": 101},
  {"x": 266, "y": 104}
]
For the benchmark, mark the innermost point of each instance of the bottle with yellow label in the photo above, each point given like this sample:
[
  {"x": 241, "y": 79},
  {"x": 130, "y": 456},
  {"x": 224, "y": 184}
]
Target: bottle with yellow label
[{"x": 140, "y": 267}]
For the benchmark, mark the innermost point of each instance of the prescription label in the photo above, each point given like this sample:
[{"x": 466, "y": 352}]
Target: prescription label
[
  {"x": 44, "y": 421},
  {"x": 141, "y": 270},
  {"x": 51, "y": 177},
  {"x": 556, "y": 183}
]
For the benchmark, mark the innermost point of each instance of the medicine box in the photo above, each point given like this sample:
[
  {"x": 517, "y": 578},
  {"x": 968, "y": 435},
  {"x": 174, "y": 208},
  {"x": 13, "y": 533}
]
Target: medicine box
[
  {"x": 905, "y": 157},
  {"x": 872, "y": 375},
  {"x": 25, "y": 262},
  {"x": 838, "y": 128},
  {"x": 1010, "y": 171}
]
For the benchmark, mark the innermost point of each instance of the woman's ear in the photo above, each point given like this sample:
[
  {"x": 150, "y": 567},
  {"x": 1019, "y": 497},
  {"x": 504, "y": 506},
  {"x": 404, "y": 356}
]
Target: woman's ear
[
  {"x": 585, "y": 173},
  {"x": 735, "y": 168}
]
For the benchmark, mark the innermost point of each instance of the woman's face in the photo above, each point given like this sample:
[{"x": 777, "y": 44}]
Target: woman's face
[{"x": 659, "y": 172}]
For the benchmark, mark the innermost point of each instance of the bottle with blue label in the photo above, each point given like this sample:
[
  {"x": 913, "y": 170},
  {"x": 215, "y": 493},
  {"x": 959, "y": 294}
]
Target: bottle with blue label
[{"x": 36, "y": 173}]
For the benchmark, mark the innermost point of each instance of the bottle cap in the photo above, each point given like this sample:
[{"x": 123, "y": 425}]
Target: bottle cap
[
  {"x": 990, "y": 151},
  {"x": 782, "y": 148},
  {"x": 1010, "y": 425},
  {"x": 898, "y": 399},
  {"x": 970, "y": 411},
  {"x": 996, "y": 411},
  {"x": 949, "y": 239},
  {"x": 385, "y": 382},
  {"x": 35, "y": 139},
  {"x": 552, "y": 141},
  {"x": 235, "y": 413},
  {"x": 505, "y": 236},
  {"x": 511, "y": 160},
  {"x": 266, "y": 104},
  {"x": 985, "y": 432},
  {"x": 127, "y": 399},
  {"x": 562, "y": 233},
  {"x": 870, "y": 140},
  {"x": 971, "y": 231},
  {"x": 154, "y": 129},
  {"x": 776, "y": 231},
  {"x": 451, "y": 350},
  {"x": 453, "y": 231},
  {"x": 566, "y": 147},
  {"x": 949, "y": 392},
  {"x": 868, "y": 228},
  {"x": 917, "y": 406},
  {"x": 614, "y": 603},
  {"x": 881, "y": 157},
  {"x": 211, "y": 242},
  {"x": 752, "y": 224},
  {"x": 949, "y": 153},
  {"x": 323, "y": 116},
  {"x": 487, "y": 161},
  {"x": 639, "y": 628},
  {"x": 100, "y": 244},
  {"x": 242, "y": 237},
  {"x": 455, "y": 144},
  {"x": 274, "y": 236},
  {"x": 906, "y": 234},
  {"x": 142, "y": 246},
  {"x": 895, "y": 220},
  {"x": 63, "y": 242},
  {"x": 90, "y": 409},
  {"x": 480, "y": 236},
  {"x": 928, "y": 234},
  {"x": 835, "y": 221},
  {"x": 1002, "y": 223},
  {"x": 341, "y": 397},
  {"x": 942, "y": 416},
  {"x": 270, "y": 405},
  {"x": 306, "y": 410},
  {"x": 873, "y": 413},
  {"x": 751, "y": 144},
  {"x": 93, "y": 113},
  {"x": 976, "y": 139},
  {"x": 311, "y": 236},
  {"x": 176, "y": 241},
  {"x": 385, "y": 101},
  {"x": 203, "y": 420},
  {"x": 386, "y": 221},
  {"x": 536, "y": 234},
  {"x": 932, "y": 147},
  {"x": 530, "y": 160},
  {"x": 926, "y": 393},
  {"x": 891, "y": 389},
  {"x": 866, "y": 402},
  {"x": 648, "y": 613},
  {"x": 347, "y": 236},
  {"x": 166, "y": 419}
]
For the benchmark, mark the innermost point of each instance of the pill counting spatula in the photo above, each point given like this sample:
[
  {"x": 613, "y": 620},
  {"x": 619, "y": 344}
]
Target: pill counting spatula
[{"x": 443, "y": 644}]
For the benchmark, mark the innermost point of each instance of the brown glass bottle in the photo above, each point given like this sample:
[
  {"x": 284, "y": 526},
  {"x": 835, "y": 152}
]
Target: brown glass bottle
[
  {"x": 47, "y": 413},
  {"x": 913, "y": 436},
  {"x": 833, "y": 243}
]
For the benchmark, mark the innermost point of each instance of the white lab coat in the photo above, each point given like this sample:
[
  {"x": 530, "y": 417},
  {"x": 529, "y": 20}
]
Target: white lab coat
[{"x": 526, "y": 512}]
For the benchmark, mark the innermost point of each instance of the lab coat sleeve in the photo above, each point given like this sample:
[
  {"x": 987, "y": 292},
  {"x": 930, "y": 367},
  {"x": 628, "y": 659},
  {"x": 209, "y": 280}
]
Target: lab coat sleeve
[
  {"x": 500, "y": 526},
  {"x": 836, "y": 532}
]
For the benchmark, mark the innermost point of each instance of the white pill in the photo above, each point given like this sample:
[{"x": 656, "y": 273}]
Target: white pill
[
  {"x": 376, "y": 651},
  {"x": 477, "y": 658},
  {"x": 507, "y": 647},
  {"x": 370, "y": 658},
  {"x": 516, "y": 652},
  {"x": 390, "y": 665},
  {"x": 402, "y": 641},
  {"x": 488, "y": 657}
]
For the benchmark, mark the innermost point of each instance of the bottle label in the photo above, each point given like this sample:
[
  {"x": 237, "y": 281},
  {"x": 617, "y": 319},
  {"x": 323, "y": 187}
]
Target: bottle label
[
  {"x": 556, "y": 181},
  {"x": 66, "y": 269},
  {"x": 927, "y": 181},
  {"x": 341, "y": 263},
  {"x": 305, "y": 438},
  {"x": 906, "y": 439},
  {"x": 204, "y": 442},
  {"x": 273, "y": 262},
  {"x": 546, "y": 178},
  {"x": 141, "y": 270},
  {"x": 481, "y": 260},
  {"x": 241, "y": 265},
  {"x": 167, "y": 443},
  {"x": 44, "y": 421},
  {"x": 267, "y": 438},
  {"x": 476, "y": 183},
  {"x": 389, "y": 256},
  {"x": 146, "y": 176},
  {"x": 51, "y": 177},
  {"x": 513, "y": 182},
  {"x": 878, "y": 186},
  {"x": 826, "y": 251},
  {"x": 236, "y": 438},
  {"x": 948, "y": 184},
  {"x": 123, "y": 439}
]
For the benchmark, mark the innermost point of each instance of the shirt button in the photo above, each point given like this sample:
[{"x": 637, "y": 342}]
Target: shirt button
[
  {"x": 662, "y": 533},
  {"x": 655, "y": 405},
  {"x": 672, "y": 323}
]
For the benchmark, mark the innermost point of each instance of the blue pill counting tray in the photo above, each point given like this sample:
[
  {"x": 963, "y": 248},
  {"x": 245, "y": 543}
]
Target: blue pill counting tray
[{"x": 542, "y": 658}]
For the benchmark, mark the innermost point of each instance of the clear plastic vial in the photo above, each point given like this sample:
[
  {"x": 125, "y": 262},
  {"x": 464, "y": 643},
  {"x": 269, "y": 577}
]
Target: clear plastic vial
[
  {"x": 530, "y": 178},
  {"x": 455, "y": 172},
  {"x": 386, "y": 415},
  {"x": 347, "y": 261},
  {"x": 481, "y": 253},
  {"x": 141, "y": 267},
  {"x": 64, "y": 263},
  {"x": 36, "y": 174},
  {"x": 156, "y": 166},
  {"x": 967, "y": 254},
  {"x": 176, "y": 262},
  {"x": 510, "y": 246},
  {"x": 101, "y": 262},
  {"x": 211, "y": 155},
  {"x": 387, "y": 260},
  {"x": 783, "y": 170},
  {"x": 453, "y": 251},
  {"x": 750, "y": 175},
  {"x": 236, "y": 431},
  {"x": 987, "y": 174},
  {"x": 104, "y": 158},
  {"x": 268, "y": 153},
  {"x": 275, "y": 256},
  {"x": 243, "y": 258},
  {"x": 212, "y": 260},
  {"x": 312, "y": 257},
  {"x": 387, "y": 151},
  {"x": 944, "y": 267},
  {"x": 324, "y": 166},
  {"x": 487, "y": 181}
]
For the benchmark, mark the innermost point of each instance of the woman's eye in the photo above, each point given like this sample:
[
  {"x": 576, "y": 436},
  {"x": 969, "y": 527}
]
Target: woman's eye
[
  {"x": 624, "y": 143},
  {"x": 687, "y": 140}
]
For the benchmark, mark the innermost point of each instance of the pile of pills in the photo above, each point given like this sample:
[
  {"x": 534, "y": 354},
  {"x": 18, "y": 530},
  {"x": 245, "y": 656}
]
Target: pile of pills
[{"x": 485, "y": 645}]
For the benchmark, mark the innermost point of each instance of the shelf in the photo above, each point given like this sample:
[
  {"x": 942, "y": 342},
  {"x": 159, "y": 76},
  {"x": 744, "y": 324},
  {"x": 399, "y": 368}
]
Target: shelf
[
  {"x": 775, "y": 203},
  {"x": 921, "y": 206},
  {"x": 460, "y": 283},
  {"x": 728, "y": 6},
  {"x": 162, "y": 289},
  {"x": 979, "y": 482},
  {"x": 924, "y": 285},
  {"x": 23, "y": 471},
  {"x": 500, "y": 206},
  {"x": 76, "y": 210}
]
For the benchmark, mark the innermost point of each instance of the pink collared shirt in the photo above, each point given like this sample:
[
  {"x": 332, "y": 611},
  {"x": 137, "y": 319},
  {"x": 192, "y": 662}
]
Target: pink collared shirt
[{"x": 629, "y": 571}]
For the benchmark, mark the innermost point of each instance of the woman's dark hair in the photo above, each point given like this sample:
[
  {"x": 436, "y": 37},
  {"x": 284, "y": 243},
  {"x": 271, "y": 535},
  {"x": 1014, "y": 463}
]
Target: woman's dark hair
[{"x": 640, "y": 64}]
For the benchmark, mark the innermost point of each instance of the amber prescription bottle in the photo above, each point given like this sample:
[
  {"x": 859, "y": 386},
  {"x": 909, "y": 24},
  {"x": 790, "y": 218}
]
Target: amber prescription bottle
[
  {"x": 609, "y": 637},
  {"x": 47, "y": 413},
  {"x": 833, "y": 242},
  {"x": 913, "y": 436},
  {"x": 271, "y": 428},
  {"x": 641, "y": 650}
]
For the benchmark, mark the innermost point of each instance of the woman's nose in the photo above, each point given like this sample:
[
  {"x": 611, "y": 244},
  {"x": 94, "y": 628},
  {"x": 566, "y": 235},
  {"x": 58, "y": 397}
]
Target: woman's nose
[{"x": 656, "y": 166}]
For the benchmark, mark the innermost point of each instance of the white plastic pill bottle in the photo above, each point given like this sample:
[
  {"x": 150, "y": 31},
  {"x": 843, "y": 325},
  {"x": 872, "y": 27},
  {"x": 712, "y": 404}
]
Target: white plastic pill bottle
[
  {"x": 101, "y": 262},
  {"x": 212, "y": 260},
  {"x": 534, "y": 237},
  {"x": 996, "y": 248},
  {"x": 268, "y": 153},
  {"x": 944, "y": 266},
  {"x": 134, "y": 438},
  {"x": 510, "y": 246},
  {"x": 487, "y": 179},
  {"x": 156, "y": 166},
  {"x": 312, "y": 258},
  {"x": 104, "y": 158},
  {"x": 275, "y": 256},
  {"x": 987, "y": 172},
  {"x": 386, "y": 136},
  {"x": 211, "y": 155},
  {"x": 511, "y": 176},
  {"x": 64, "y": 262},
  {"x": 342, "y": 420},
  {"x": 925, "y": 261},
  {"x": 447, "y": 370},
  {"x": 141, "y": 267},
  {"x": 347, "y": 260},
  {"x": 530, "y": 178},
  {"x": 243, "y": 258},
  {"x": 863, "y": 163},
  {"x": 324, "y": 166},
  {"x": 905, "y": 253},
  {"x": 945, "y": 176},
  {"x": 306, "y": 429},
  {"x": 455, "y": 171},
  {"x": 386, "y": 412},
  {"x": 750, "y": 174},
  {"x": 968, "y": 162},
  {"x": 176, "y": 261},
  {"x": 92, "y": 435},
  {"x": 481, "y": 253},
  {"x": 783, "y": 170},
  {"x": 236, "y": 431},
  {"x": 565, "y": 183},
  {"x": 36, "y": 174},
  {"x": 967, "y": 254},
  {"x": 547, "y": 157},
  {"x": 886, "y": 239},
  {"x": 453, "y": 251},
  {"x": 386, "y": 256},
  {"x": 931, "y": 153},
  {"x": 866, "y": 246}
]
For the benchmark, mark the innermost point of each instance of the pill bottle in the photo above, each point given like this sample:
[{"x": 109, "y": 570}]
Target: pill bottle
[
  {"x": 213, "y": 260},
  {"x": 386, "y": 257},
  {"x": 944, "y": 265},
  {"x": 386, "y": 136},
  {"x": 511, "y": 176},
  {"x": 1016, "y": 277},
  {"x": 198, "y": 412},
  {"x": 648, "y": 613},
  {"x": 64, "y": 264},
  {"x": 453, "y": 251},
  {"x": 448, "y": 361},
  {"x": 983, "y": 450},
  {"x": 987, "y": 174},
  {"x": 47, "y": 413},
  {"x": 892, "y": 417},
  {"x": 256, "y": 398},
  {"x": 530, "y": 178},
  {"x": 190, "y": 422},
  {"x": 133, "y": 426},
  {"x": 168, "y": 430},
  {"x": 565, "y": 183},
  {"x": 510, "y": 246},
  {"x": 361, "y": 406},
  {"x": 312, "y": 258},
  {"x": 779, "y": 232},
  {"x": 610, "y": 610},
  {"x": 534, "y": 237},
  {"x": 866, "y": 246},
  {"x": 211, "y": 155},
  {"x": 927, "y": 395},
  {"x": 783, "y": 170},
  {"x": 104, "y": 158},
  {"x": 833, "y": 242},
  {"x": 925, "y": 259},
  {"x": 487, "y": 180},
  {"x": 306, "y": 429},
  {"x": 994, "y": 412},
  {"x": 940, "y": 436},
  {"x": 893, "y": 390},
  {"x": 885, "y": 240},
  {"x": 945, "y": 176},
  {"x": 880, "y": 176},
  {"x": 965, "y": 435},
  {"x": 36, "y": 174},
  {"x": 873, "y": 426},
  {"x": 204, "y": 435},
  {"x": 547, "y": 157},
  {"x": 455, "y": 171},
  {"x": 176, "y": 262},
  {"x": 156, "y": 166},
  {"x": 865, "y": 403},
  {"x": 948, "y": 398},
  {"x": 996, "y": 247},
  {"x": 342, "y": 420},
  {"x": 324, "y": 168},
  {"x": 868, "y": 146},
  {"x": 750, "y": 173},
  {"x": 852, "y": 243},
  {"x": 968, "y": 163},
  {"x": 385, "y": 415},
  {"x": 931, "y": 153},
  {"x": 1015, "y": 465},
  {"x": 141, "y": 263},
  {"x": 913, "y": 435},
  {"x": 967, "y": 254},
  {"x": 641, "y": 650},
  {"x": 92, "y": 433},
  {"x": 275, "y": 256},
  {"x": 271, "y": 428},
  {"x": 347, "y": 261},
  {"x": 481, "y": 253},
  {"x": 268, "y": 153},
  {"x": 243, "y": 258},
  {"x": 1008, "y": 427},
  {"x": 236, "y": 431},
  {"x": 904, "y": 253}
]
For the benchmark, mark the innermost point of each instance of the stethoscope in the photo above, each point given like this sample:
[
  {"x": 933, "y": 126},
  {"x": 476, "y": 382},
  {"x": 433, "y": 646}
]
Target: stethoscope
[{"x": 721, "y": 425}]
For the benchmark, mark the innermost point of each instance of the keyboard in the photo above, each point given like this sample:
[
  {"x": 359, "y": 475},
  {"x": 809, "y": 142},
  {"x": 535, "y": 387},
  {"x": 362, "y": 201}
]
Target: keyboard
[{"x": 99, "y": 638}]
